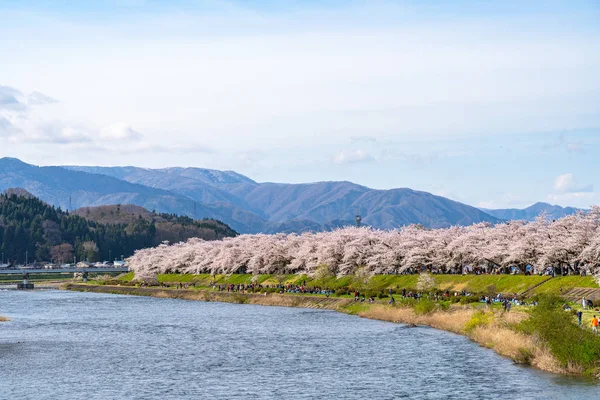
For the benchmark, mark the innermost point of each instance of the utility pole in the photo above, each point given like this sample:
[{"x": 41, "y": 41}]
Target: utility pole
[
  {"x": 70, "y": 208},
  {"x": 26, "y": 257}
]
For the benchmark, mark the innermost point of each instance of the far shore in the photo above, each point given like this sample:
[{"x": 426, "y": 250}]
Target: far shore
[{"x": 489, "y": 327}]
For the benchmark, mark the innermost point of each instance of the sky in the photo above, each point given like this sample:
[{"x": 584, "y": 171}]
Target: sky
[{"x": 492, "y": 103}]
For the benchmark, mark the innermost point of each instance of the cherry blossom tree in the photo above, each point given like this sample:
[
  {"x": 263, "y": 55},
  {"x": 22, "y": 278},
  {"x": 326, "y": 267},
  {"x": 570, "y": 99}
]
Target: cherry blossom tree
[{"x": 569, "y": 245}]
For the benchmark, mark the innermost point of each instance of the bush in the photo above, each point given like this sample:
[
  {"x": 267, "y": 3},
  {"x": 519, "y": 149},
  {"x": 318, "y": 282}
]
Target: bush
[
  {"x": 424, "y": 306},
  {"x": 567, "y": 342},
  {"x": 469, "y": 299},
  {"x": 444, "y": 305},
  {"x": 240, "y": 298},
  {"x": 480, "y": 318},
  {"x": 491, "y": 290}
]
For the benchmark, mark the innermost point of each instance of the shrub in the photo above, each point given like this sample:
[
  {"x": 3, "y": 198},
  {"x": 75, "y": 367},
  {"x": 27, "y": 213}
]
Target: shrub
[
  {"x": 424, "y": 306},
  {"x": 469, "y": 299},
  {"x": 567, "y": 342},
  {"x": 480, "y": 318},
  {"x": 240, "y": 299},
  {"x": 444, "y": 305},
  {"x": 491, "y": 290}
]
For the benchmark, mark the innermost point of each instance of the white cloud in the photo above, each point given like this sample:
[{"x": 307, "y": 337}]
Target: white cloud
[
  {"x": 568, "y": 192},
  {"x": 11, "y": 99},
  {"x": 352, "y": 157},
  {"x": 37, "y": 98},
  {"x": 24, "y": 125},
  {"x": 567, "y": 183},
  {"x": 563, "y": 143},
  {"x": 577, "y": 199},
  {"x": 120, "y": 131}
]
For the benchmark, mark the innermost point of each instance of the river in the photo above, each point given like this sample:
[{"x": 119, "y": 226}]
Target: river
[{"x": 69, "y": 345}]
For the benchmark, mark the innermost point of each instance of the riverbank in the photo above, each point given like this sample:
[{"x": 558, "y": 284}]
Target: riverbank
[
  {"x": 4, "y": 319},
  {"x": 490, "y": 327},
  {"x": 48, "y": 284},
  {"x": 522, "y": 285}
]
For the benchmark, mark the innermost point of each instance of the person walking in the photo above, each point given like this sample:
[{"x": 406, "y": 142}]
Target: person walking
[
  {"x": 579, "y": 316},
  {"x": 595, "y": 325},
  {"x": 584, "y": 303}
]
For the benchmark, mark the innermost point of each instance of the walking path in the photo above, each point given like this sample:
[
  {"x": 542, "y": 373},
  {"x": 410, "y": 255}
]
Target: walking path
[{"x": 576, "y": 294}]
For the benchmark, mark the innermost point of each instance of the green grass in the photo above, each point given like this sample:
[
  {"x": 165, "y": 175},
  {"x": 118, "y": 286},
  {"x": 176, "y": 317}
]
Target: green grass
[
  {"x": 510, "y": 284},
  {"x": 128, "y": 277},
  {"x": 480, "y": 283},
  {"x": 355, "y": 308},
  {"x": 554, "y": 285},
  {"x": 567, "y": 342}
]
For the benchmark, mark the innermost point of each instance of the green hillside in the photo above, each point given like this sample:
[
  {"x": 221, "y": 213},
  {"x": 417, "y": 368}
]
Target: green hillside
[
  {"x": 509, "y": 284},
  {"x": 32, "y": 229}
]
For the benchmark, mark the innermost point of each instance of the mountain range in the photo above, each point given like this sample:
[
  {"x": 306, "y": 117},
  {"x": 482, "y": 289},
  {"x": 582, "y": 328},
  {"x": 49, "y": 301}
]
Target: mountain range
[
  {"x": 531, "y": 212},
  {"x": 244, "y": 204}
]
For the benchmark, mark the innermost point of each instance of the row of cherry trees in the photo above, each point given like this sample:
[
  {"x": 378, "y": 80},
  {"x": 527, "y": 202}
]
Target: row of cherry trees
[{"x": 570, "y": 245}]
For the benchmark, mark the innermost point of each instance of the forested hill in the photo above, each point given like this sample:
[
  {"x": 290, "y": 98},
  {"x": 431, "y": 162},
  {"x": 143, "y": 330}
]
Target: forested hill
[
  {"x": 28, "y": 225},
  {"x": 171, "y": 227}
]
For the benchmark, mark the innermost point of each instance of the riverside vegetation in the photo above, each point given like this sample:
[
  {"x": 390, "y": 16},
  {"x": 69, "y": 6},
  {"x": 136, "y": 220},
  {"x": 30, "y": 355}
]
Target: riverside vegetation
[{"x": 544, "y": 336}]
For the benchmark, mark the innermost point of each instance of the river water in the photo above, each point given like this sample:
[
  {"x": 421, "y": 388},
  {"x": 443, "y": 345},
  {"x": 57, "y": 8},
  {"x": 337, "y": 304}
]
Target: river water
[{"x": 69, "y": 345}]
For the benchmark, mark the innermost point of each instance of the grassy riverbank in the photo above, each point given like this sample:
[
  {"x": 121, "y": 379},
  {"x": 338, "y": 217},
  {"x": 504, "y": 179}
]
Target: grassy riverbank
[
  {"x": 545, "y": 336},
  {"x": 508, "y": 284}
]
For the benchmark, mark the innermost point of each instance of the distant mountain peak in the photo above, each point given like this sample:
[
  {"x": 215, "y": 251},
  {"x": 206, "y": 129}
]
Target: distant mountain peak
[
  {"x": 18, "y": 192},
  {"x": 542, "y": 204},
  {"x": 11, "y": 161},
  {"x": 531, "y": 212}
]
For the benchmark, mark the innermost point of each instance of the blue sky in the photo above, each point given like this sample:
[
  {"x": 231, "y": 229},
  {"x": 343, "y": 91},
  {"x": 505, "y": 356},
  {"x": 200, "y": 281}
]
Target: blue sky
[{"x": 492, "y": 103}]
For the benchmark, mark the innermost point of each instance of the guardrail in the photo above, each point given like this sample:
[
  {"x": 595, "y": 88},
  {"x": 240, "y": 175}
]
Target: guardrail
[{"x": 59, "y": 271}]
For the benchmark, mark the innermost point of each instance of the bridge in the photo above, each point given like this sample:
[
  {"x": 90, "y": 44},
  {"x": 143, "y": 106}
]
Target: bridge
[
  {"x": 84, "y": 272},
  {"x": 20, "y": 271}
]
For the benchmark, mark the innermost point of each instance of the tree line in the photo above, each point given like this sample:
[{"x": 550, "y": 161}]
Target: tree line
[
  {"x": 31, "y": 229},
  {"x": 569, "y": 245}
]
